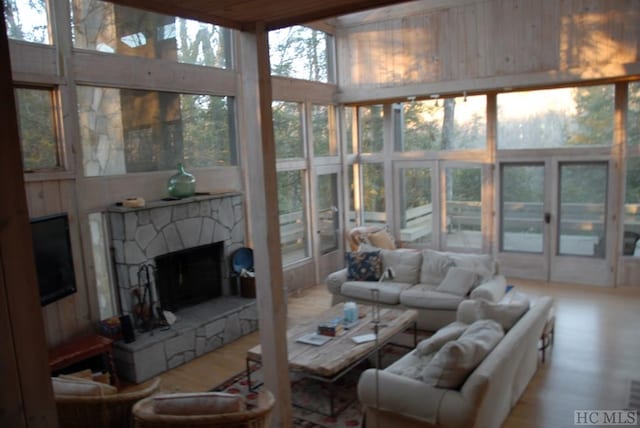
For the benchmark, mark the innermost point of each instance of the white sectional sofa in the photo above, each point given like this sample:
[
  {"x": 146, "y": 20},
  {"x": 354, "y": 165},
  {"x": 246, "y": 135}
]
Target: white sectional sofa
[
  {"x": 432, "y": 282},
  {"x": 435, "y": 385}
]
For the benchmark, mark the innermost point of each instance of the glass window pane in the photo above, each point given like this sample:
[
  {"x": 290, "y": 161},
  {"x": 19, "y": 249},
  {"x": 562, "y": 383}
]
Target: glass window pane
[
  {"x": 631, "y": 242},
  {"x": 583, "y": 204},
  {"x": 287, "y": 129},
  {"x": 324, "y": 142},
  {"x": 108, "y": 27},
  {"x": 449, "y": 124},
  {"x": 293, "y": 219},
  {"x": 554, "y": 118},
  {"x": 633, "y": 115},
  {"x": 371, "y": 126},
  {"x": 38, "y": 136},
  {"x": 27, "y": 20},
  {"x": 301, "y": 52},
  {"x": 416, "y": 223},
  {"x": 351, "y": 218},
  {"x": 349, "y": 114},
  {"x": 100, "y": 244},
  {"x": 327, "y": 206},
  {"x": 125, "y": 130},
  {"x": 522, "y": 208},
  {"x": 373, "y": 194},
  {"x": 464, "y": 207}
]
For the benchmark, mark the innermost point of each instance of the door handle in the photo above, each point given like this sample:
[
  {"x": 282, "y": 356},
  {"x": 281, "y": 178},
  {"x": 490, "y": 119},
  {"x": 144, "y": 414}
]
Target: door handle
[{"x": 547, "y": 218}]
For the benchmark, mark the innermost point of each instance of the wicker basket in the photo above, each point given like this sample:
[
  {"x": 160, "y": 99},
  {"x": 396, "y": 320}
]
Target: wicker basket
[{"x": 258, "y": 417}]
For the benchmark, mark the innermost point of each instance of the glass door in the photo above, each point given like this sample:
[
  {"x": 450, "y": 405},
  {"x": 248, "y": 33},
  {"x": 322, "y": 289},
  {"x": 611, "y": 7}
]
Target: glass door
[
  {"x": 553, "y": 220},
  {"x": 327, "y": 220}
]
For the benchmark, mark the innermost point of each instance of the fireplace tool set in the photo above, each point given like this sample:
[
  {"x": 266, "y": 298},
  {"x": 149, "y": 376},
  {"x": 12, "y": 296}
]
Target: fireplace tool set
[{"x": 145, "y": 309}]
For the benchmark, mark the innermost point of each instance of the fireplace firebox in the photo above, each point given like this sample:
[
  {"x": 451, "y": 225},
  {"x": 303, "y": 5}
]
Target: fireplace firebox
[{"x": 190, "y": 276}]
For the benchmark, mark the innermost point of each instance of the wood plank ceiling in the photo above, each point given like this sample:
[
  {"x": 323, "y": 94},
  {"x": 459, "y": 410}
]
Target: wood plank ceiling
[{"x": 246, "y": 14}]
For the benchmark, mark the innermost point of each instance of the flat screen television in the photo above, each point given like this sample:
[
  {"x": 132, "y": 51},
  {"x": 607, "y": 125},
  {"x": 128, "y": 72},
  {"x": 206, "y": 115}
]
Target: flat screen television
[{"x": 54, "y": 260}]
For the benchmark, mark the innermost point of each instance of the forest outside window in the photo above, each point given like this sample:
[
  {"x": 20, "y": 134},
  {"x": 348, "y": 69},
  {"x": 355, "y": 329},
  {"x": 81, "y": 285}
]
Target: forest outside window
[
  {"x": 38, "y": 129},
  {"x": 126, "y": 130},
  {"x": 302, "y": 53},
  {"x": 28, "y": 20}
]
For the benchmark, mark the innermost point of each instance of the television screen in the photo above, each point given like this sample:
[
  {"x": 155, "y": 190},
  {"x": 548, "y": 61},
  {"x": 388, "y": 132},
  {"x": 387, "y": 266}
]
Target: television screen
[{"x": 54, "y": 260}]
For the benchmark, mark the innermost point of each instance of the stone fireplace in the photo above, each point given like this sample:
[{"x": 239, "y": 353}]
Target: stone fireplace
[{"x": 187, "y": 245}]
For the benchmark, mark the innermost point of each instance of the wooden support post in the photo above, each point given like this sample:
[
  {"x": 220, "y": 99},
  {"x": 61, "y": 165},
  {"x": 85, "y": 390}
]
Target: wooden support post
[
  {"x": 26, "y": 397},
  {"x": 262, "y": 204}
]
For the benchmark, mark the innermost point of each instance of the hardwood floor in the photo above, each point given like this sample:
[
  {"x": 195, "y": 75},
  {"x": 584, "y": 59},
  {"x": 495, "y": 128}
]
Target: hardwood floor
[{"x": 595, "y": 353}]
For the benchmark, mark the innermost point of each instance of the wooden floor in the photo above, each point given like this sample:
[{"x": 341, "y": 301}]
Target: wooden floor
[{"x": 595, "y": 354}]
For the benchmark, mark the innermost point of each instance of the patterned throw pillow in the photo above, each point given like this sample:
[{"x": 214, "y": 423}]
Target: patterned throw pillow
[{"x": 364, "y": 266}]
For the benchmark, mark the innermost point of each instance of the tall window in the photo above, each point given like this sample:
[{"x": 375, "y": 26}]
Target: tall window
[
  {"x": 566, "y": 117},
  {"x": 371, "y": 128},
  {"x": 302, "y": 53},
  {"x": 416, "y": 205},
  {"x": 631, "y": 237},
  {"x": 109, "y": 27},
  {"x": 38, "y": 131},
  {"x": 292, "y": 205},
  {"x": 463, "y": 207},
  {"x": 449, "y": 124},
  {"x": 287, "y": 129},
  {"x": 323, "y": 129},
  {"x": 27, "y": 20},
  {"x": 126, "y": 130},
  {"x": 373, "y": 194}
]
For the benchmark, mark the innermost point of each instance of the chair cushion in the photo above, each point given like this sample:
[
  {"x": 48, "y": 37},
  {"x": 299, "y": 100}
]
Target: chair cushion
[
  {"x": 405, "y": 265},
  {"x": 458, "y": 281},
  {"x": 424, "y": 296},
  {"x": 434, "y": 266},
  {"x": 81, "y": 387},
  {"x": 202, "y": 403},
  {"x": 364, "y": 266},
  {"x": 453, "y": 363},
  {"x": 389, "y": 292}
]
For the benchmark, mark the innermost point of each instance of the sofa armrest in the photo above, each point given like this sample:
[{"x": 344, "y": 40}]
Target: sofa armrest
[
  {"x": 492, "y": 290},
  {"x": 335, "y": 280},
  {"x": 400, "y": 394}
]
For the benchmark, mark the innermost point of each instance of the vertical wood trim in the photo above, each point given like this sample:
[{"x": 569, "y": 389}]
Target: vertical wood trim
[
  {"x": 27, "y": 397},
  {"x": 256, "y": 96},
  {"x": 492, "y": 244},
  {"x": 617, "y": 185}
]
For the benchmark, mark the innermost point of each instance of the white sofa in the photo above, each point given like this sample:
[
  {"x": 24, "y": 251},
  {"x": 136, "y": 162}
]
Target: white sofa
[
  {"x": 417, "y": 283},
  {"x": 485, "y": 397}
]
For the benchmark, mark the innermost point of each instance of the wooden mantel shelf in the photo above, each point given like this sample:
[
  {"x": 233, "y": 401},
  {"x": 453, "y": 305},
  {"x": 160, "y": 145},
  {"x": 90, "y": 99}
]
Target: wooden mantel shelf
[{"x": 168, "y": 202}]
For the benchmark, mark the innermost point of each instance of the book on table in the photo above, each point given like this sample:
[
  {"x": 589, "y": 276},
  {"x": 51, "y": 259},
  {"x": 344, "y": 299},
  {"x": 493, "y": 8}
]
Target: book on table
[{"x": 314, "y": 339}]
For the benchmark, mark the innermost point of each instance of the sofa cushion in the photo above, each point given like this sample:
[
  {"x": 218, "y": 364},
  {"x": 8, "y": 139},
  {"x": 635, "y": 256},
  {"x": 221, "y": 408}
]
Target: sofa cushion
[
  {"x": 81, "y": 387},
  {"x": 445, "y": 334},
  {"x": 389, "y": 292},
  {"x": 453, "y": 363},
  {"x": 434, "y": 266},
  {"x": 424, "y": 296},
  {"x": 381, "y": 239},
  {"x": 506, "y": 312},
  {"x": 458, "y": 281},
  {"x": 405, "y": 265},
  {"x": 491, "y": 290},
  {"x": 202, "y": 403},
  {"x": 410, "y": 365},
  {"x": 364, "y": 266},
  {"x": 482, "y": 264}
]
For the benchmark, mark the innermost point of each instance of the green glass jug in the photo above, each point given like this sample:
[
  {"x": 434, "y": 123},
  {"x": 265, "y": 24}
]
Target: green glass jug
[{"x": 182, "y": 185}]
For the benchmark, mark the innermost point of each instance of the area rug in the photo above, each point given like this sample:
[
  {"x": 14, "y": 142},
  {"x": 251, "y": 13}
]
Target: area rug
[{"x": 313, "y": 394}]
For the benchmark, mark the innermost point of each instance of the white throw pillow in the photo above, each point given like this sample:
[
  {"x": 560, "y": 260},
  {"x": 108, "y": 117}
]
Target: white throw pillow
[
  {"x": 81, "y": 387},
  {"x": 445, "y": 334},
  {"x": 202, "y": 403},
  {"x": 455, "y": 361},
  {"x": 404, "y": 264},
  {"x": 482, "y": 264},
  {"x": 434, "y": 266},
  {"x": 458, "y": 281}
]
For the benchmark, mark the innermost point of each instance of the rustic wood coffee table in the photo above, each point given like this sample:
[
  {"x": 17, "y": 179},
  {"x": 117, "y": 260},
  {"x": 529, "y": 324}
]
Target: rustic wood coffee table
[{"x": 331, "y": 361}]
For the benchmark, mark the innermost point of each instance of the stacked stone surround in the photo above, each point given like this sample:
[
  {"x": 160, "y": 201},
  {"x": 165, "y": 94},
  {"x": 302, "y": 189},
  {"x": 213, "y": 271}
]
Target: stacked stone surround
[{"x": 138, "y": 235}]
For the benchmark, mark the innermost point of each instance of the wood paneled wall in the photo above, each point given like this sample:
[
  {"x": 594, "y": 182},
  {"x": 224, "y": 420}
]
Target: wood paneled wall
[{"x": 486, "y": 44}]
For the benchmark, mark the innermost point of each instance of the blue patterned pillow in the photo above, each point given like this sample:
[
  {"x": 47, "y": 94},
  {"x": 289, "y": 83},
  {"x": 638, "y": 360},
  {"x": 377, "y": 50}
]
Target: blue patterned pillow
[{"x": 364, "y": 266}]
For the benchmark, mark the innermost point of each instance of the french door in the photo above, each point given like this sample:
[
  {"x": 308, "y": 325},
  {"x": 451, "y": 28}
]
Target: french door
[
  {"x": 553, "y": 222},
  {"x": 326, "y": 220}
]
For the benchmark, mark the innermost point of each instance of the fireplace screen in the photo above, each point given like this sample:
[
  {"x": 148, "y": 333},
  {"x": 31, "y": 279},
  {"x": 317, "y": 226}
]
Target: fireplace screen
[{"x": 188, "y": 277}]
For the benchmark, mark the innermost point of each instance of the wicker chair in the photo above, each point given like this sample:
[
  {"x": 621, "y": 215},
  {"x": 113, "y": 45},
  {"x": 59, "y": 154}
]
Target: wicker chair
[
  {"x": 107, "y": 411},
  {"x": 257, "y": 417}
]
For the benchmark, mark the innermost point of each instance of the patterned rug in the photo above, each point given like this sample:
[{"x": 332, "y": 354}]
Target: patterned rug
[{"x": 313, "y": 394}]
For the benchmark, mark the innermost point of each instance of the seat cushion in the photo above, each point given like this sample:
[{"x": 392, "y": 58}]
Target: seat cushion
[
  {"x": 203, "y": 403},
  {"x": 389, "y": 292},
  {"x": 364, "y": 265},
  {"x": 81, "y": 387},
  {"x": 424, "y": 296},
  {"x": 453, "y": 363}
]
